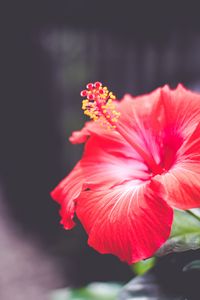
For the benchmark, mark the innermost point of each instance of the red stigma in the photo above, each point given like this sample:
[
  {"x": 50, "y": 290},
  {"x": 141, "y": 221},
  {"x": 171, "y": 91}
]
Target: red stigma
[
  {"x": 97, "y": 84},
  {"x": 90, "y": 86},
  {"x": 83, "y": 93},
  {"x": 101, "y": 91},
  {"x": 90, "y": 96}
]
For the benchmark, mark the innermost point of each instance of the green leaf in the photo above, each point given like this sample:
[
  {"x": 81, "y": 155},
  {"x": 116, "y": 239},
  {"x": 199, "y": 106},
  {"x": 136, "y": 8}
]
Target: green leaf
[
  {"x": 146, "y": 287},
  {"x": 143, "y": 266},
  {"x": 94, "y": 291},
  {"x": 185, "y": 233},
  {"x": 194, "y": 265}
]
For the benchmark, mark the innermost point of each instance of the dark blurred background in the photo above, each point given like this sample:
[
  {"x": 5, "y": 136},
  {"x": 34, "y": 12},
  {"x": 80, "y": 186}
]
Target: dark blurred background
[{"x": 49, "y": 51}]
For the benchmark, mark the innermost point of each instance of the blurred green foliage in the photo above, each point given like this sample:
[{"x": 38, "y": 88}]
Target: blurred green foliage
[
  {"x": 193, "y": 265},
  {"x": 94, "y": 291},
  {"x": 143, "y": 266},
  {"x": 185, "y": 233}
]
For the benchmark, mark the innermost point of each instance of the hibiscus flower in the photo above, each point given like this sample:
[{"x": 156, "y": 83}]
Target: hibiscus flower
[{"x": 141, "y": 160}]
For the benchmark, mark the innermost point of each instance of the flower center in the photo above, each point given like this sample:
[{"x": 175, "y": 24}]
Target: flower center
[{"x": 99, "y": 106}]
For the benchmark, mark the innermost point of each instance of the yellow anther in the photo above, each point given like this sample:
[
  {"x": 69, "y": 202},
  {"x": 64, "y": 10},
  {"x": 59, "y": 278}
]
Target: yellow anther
[
  {"x": 85, "y": 101},
  {"x": 116, "y": 113},
  {"x": 114, "y": 120}
]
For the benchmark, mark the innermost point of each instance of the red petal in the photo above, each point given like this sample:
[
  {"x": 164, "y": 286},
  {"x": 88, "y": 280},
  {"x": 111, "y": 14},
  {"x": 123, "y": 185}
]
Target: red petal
[
  {"x": 182, "y": 183},
  {"x": 182, "y": 109},
  {"x": 106, "y": 162},
  {"x": 90, "y": 128},
  {"x": 142, "y": 118},
  {"x": 161, "y": 122},
  {"x": 66, "y": 193},
  {"x": 191, "y": 148},
  {"x": 80, "y": 136},
  {"x": 109, "y": 161},
  {"x": 130, "y": 221}
]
